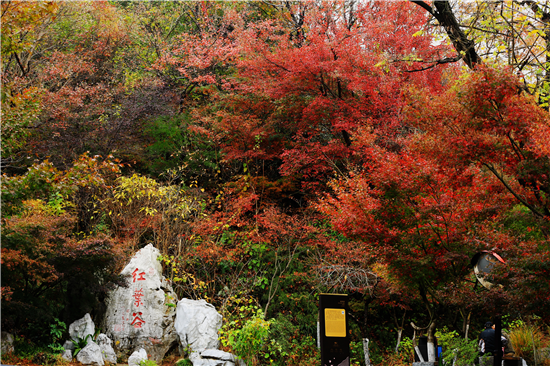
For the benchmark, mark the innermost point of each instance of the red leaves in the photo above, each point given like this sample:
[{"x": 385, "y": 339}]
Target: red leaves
[{"x": 487, "y": 121}]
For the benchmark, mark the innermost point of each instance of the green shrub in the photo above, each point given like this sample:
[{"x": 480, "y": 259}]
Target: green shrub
[
  {"x": 184, "y": 362},
  {"x": 288, "y": 345},
  {"x": 56, "y": 331},
  {"x": 147, "y": 363},
  {"x": 80, "y": 343},
  {"x": 174, "y": 144},
  {"x": 406, "y": 349},
  {"x": 457, "y": 348},
  {"x": 248, "y": 341}
]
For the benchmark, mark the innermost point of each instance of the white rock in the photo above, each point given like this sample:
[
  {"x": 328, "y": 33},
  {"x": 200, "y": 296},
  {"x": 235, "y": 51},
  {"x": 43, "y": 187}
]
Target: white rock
[
  {"x": 7, "y": 343},
  {"x": 82, "y": 327},
  {"x": 67, "y": 355},
  {"x": 105, "y": 344},
  {"x": 215, "y": 357},
  {"x": 218, "y": 355},
  {"x": 197, "y": 360},
  {"x": 137, "y": 357},
  {"x": 140, "y": 315},
  {"x": 197, "y": 324},
  {"x": 90, "y": 355},
  {"x": 69, "y": 345}
]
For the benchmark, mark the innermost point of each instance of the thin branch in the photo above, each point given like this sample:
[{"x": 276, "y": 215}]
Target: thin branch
[
  {"x": 446, "y": 60},
  {"x": 518, "y": 197}
]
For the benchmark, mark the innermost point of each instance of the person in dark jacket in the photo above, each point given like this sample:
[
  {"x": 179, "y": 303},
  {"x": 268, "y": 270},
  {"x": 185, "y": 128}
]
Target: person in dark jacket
[{"x": 488, "y": 340}]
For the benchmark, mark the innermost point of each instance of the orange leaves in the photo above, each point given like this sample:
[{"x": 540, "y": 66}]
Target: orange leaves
[
  {"x": 353, "y": 212},
  {"x": 197, "y": 54},
  {"x": 20, "y": 22},
  {"x": 540, "y": 138}
]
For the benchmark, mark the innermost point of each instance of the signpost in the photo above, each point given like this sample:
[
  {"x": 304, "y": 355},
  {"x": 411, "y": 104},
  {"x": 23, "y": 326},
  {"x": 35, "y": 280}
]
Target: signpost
[
  {"x": 333, "y": 319},
  {"x": 483, "y": 264}
]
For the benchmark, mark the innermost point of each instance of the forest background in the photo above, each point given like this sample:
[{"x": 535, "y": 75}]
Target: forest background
[{"x": 273, "y": 151}]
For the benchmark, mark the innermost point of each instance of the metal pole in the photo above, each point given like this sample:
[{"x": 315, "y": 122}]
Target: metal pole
[{"x": 497, "y": 357}]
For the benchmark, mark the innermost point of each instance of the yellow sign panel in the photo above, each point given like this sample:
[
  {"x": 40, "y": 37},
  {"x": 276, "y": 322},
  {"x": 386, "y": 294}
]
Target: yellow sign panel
[{"x": 335, "y": 322}]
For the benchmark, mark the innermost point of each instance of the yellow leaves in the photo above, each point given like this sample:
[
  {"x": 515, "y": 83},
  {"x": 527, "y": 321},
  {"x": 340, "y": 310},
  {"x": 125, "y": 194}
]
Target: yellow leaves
[
  {"x": 381, "y": 63},
  {"x": 20, "y": 20}
]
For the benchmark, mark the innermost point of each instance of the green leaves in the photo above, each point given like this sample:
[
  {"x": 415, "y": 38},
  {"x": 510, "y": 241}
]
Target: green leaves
[
  {"x": 248, "y": 341},
  {"x": 80, "y": 343},
  {"x": 457, "y": 350}
]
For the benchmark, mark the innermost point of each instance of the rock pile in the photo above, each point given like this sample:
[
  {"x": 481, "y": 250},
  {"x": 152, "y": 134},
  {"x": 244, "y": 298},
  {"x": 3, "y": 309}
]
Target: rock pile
[
  {"x": 96, "y": 352},
  {"x": 143, "y": 321}
]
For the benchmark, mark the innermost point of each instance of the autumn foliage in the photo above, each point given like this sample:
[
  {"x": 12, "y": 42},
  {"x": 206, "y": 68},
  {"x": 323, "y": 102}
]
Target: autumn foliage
[{"x": 264, "y": 147}]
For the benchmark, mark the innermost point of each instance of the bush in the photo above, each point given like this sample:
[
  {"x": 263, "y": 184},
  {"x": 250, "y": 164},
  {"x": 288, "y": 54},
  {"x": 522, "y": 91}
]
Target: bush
[
  {"x": 395, "y": 359},
  {"x": 140, "y": 205},
  {"x": 529, "y": 343},
  {"x": 406, "y": 349},
  {"x": 147, "y": 363},
  {"x": 184, "y": 362},
  {"x": 248, "y": 341},
  {"x": 288, "y": 346},
  {"x": 457, "y": 348},
  {"x": 48, "y": 272}
]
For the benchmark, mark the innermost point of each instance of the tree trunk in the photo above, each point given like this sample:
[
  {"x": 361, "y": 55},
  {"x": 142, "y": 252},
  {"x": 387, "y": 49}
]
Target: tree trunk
[
  {"x": 366, "y": 351},
  {"x": 400, "y": 328},
  {"x": 399, "y": 335},
  {"x": 467, "y": 325},
  {"x": 431, "y": 342},
  {"x": 444, "y": 14}
]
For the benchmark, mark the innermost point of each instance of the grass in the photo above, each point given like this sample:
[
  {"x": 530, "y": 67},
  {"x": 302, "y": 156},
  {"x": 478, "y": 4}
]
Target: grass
[{"x": 529, "y": 342}]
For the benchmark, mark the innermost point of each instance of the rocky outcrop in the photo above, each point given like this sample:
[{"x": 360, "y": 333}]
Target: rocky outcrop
[
  {"x": 94, "y": 353},
  {"x": 82, "y": 327},
  {"x": 141, "y": 315},
  {"x": 90, "y": 355},
  {"x": 197, "y": 324},
  {"x": 69, "y": 346},
  {"x": 214, "y": 357},
  {"x": 136, "y": 357},
  {"x": 67, "y": 355},
  {"x": 105, "y": 345},
  {"x": 7, "y": 343}
]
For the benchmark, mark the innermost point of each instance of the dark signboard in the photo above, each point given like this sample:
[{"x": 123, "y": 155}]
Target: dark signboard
[{"x": 333, "y": 320}]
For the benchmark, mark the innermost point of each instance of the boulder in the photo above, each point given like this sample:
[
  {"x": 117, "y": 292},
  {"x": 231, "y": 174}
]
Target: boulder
[
  {"x": 197, "y": 324},
  {"x": 90, "y": 355},
  {"x": 67, "y": 355},
  {"x": 7, "y": 343},
  {"x": 137, "y": 357},
  {"x": 105, "y": 344},
  {"x": 216, "y": 354},
  {"x": 82, "y": 327},
  {"x": 197, "y": 360},
  {"x": 69, "y": 345},
  {"x": 214, "y": 357},
  {"x": 141, "y": 315}
]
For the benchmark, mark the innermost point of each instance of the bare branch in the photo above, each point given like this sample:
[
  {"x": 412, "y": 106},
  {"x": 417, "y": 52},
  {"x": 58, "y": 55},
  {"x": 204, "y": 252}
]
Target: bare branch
[{"x": 347, "y": 278}]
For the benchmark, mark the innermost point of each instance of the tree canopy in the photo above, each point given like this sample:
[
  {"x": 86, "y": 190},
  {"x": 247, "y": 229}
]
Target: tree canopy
[{"x": 267, "y": 148}]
